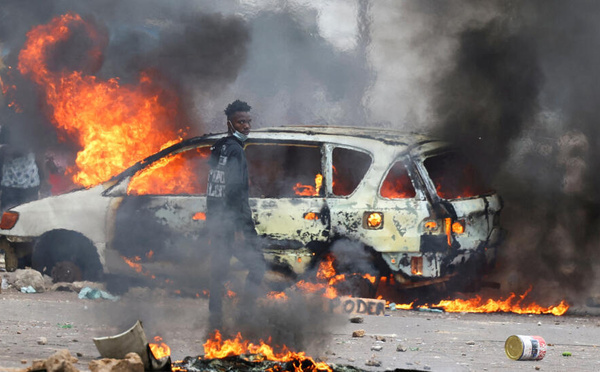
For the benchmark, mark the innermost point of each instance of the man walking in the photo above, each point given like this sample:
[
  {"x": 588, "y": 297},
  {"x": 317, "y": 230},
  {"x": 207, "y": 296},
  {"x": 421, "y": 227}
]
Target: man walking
[{"x": 228, "y": 217}]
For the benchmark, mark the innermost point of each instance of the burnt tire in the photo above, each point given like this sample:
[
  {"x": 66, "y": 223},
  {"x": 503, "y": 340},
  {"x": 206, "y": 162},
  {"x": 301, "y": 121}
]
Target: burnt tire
[{"x": 62, "y": 249}]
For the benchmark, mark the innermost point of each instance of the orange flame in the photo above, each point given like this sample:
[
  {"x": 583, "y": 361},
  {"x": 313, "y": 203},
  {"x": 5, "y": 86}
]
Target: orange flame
[
  {"x": 277, "y": 295},
  {"x": 478, "y": 305},
  {"x": 159, "y": 349},
  {"x": 512, "y": 304},
  {"x": 328, "y": 279},
  {"x": 134, "y": 264},
  {"x": 311, "y": 216},
  {"x": 115, "y": 124},
  {"x": 216, "y": 347},
  {"x": 308, "y": 190},
  {"x": 199, "y": 216}
]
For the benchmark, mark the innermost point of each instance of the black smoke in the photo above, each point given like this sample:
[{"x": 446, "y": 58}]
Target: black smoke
[{"x": 519, "y": 98}]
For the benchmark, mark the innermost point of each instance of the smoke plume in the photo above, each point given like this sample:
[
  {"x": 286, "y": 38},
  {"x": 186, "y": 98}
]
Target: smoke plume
[{"x": 515, "y": 91}]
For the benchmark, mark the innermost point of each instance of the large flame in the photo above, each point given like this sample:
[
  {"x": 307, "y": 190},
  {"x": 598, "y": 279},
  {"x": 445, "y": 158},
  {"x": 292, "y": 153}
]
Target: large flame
[
  {"x": 216, "y": 347},
  {"x": 115, "y": 124},
  {"x": 512, "y": 304}
]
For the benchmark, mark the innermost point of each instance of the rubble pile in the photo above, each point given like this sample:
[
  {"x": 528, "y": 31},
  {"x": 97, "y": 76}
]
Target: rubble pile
[{"x": 63, "y": 361}]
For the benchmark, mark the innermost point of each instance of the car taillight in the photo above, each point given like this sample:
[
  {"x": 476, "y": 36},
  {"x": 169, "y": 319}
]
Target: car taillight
[
  {"x": 458, "y": 227},
  {"x": 373, "y": 220},
  {"x": 9, "y": 219}
]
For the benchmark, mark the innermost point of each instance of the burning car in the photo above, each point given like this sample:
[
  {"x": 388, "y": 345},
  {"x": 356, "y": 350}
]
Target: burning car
[{"x": 417, "y": 207}]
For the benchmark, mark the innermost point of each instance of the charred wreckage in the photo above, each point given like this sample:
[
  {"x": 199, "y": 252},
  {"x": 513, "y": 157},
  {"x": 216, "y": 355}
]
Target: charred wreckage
[{"x": 417, "y": 209}]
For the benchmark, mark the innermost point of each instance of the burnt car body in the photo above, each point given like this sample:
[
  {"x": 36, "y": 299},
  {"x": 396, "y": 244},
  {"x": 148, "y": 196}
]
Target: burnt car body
[{"x": 416, "y": 206}]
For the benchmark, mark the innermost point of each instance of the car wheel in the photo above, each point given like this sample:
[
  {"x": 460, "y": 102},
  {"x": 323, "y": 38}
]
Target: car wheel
[{"x": 66, "y": 255}]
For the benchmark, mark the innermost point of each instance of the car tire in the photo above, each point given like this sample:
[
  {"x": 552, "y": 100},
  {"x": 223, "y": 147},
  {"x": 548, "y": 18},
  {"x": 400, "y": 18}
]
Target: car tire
[{"x": 64, "y": 248}]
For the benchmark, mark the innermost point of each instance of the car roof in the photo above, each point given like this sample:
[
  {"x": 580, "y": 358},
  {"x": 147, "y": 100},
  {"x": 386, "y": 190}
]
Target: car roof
[
  {"x": 380, "y": 134},
  {"x": 388, "y": 136}
]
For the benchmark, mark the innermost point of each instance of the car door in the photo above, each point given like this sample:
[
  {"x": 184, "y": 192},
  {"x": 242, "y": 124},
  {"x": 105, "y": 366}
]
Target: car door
[
  {"x": 473, "y": 208},
  {"x": 388, "y": 208},
  {"x": 287, "y": 199},
  {"x": 158, "y": 220}
]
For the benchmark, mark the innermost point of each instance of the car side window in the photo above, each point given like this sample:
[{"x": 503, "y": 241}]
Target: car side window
[
  {"x": 454, "y": 177},
  {"x": 349, "y": 168},
  {"x": 397, "y": 183},
  {"x": 182, "y": 173},
  {"x": 279, "y": 170}
]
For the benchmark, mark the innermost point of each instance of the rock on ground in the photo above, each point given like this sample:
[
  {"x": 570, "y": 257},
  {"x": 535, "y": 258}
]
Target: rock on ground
[{"x": 131, "y": 363}]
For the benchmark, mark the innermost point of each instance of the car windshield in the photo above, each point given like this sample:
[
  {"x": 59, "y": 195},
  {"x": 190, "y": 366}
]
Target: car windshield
[{"x": 454, "y": 177}]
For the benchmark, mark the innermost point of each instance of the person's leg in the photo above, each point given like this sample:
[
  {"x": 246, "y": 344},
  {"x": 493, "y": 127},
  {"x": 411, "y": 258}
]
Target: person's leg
[
  {"x": 252, "y": 257},
  {"x": 219, "y": 270}
]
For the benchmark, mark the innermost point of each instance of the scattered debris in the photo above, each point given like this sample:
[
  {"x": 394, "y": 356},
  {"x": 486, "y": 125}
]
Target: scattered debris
[
  {"x": 75, "y": 286},
  {"x": 358, "y": 333},
  {"x": 401, "y": 348},
  {"x": 119, "y": 346},
  {"x": 566, "y": 354},
  {"x": 94, "y": 293},
  {"x": 521, "y": 347},
  {"x": 470, "y": 342},
  {"x": 376, "y": 348},
  {"x": 42, "y": 341},
  {"x": 131, "y": 363},
  {"x": 428, "y": 310},
  {"x": 252, "y": 363},
  {"x": 28, "y": 289},
  {"x": 357, "y": 319},
  {"x": 373, "y": 362},
  {"x": 62, "y": 360},
  {"x": 29, "y": 278},
  {"x": 380, "y": 338}
]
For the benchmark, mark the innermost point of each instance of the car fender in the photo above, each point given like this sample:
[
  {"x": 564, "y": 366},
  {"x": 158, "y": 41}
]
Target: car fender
[{"x": 83, "y": 211}]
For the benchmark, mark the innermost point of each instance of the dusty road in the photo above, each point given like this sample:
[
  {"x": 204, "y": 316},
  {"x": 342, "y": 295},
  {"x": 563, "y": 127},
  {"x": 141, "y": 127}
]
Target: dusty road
[{"x": 432, "y": 341}]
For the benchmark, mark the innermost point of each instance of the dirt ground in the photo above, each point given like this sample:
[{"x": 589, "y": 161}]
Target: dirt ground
[{"x": 427, "y": 341}]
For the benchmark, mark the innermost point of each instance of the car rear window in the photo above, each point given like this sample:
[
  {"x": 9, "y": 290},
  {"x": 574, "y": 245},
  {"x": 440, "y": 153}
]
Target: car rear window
[
  {"x": 397, "y": 183},
  {"x": 183, "y": 173},
  {"x": 284, "y": 170},
  {"x": 454, "y": 177},
  {"x": 349, "y": 168}
]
